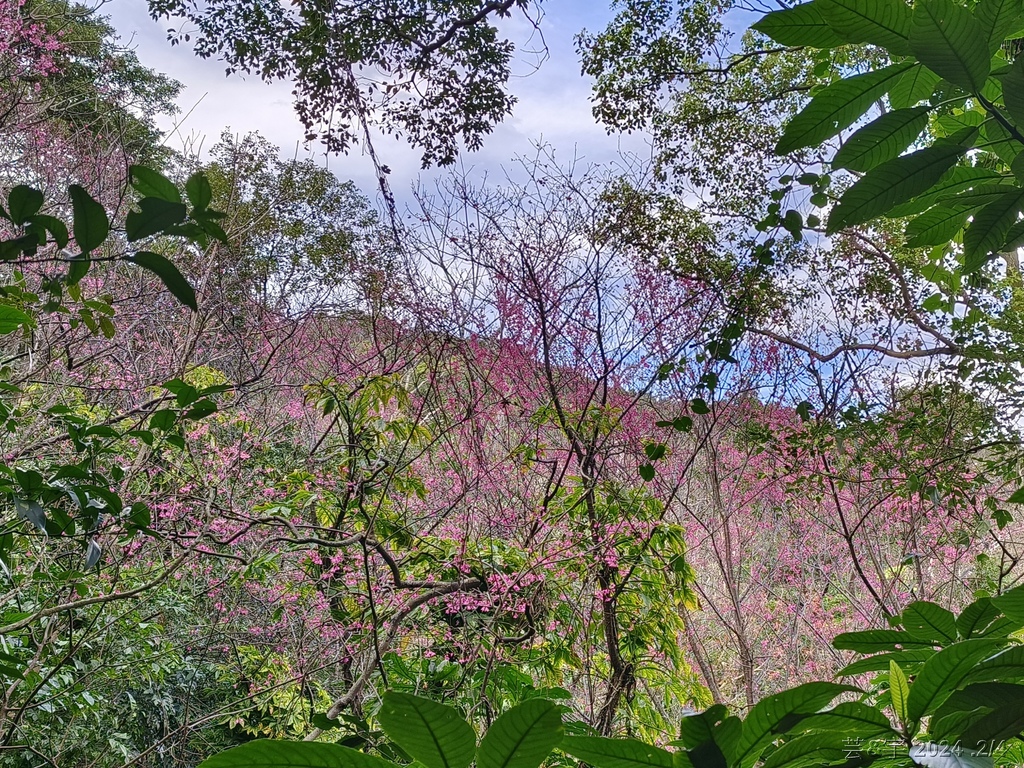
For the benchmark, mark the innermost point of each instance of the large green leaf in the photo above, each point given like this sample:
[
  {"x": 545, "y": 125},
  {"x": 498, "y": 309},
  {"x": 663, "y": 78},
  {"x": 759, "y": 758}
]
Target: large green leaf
[
  {"x": 892, "y": 183},
  {"x": 882, "y": 139},
  {"x": 836, "y": 107},
  {"x": 150, "y": 183},
  {"x": 800, "y": 25},
  {"x": 12, "y": 319},
  {"x": 522, "y": 737},
  {"x": 764, "y": 720},
  {"x": 983, "y": 618},
  {"x": 153, "y": 217},
  {"x": 958, "y": 178},
  {"x": 929, "y": 621},
  {"x": 916, "y": 85},
  {"x": 947, "y": 39},
  {"x": 813, "y": 748},
  {"x": 987, "y": 232},
  {"x": 978, "y": 196},
  {"x": 169, "y": 275},
  {"x": 1006, "y": 721},
  {"x": 1004, "y": 666},
  {"x": 937, "y": 225},
  {"x": 867, "y": 721},
  {"x": 1013, "y": 91},
  {"x": 980, "y": 716},
  {"x": 1011, "y": 603},
  {"x": 53, "y": 225},
  {"x": 616, "y": 753},
  {"x": 874, "y": 640},
  {"x": 199, "y": 192},
  {"x": 885, "y": 23},
  {"x": 943, "y": 673},
  {"x": 90, "y": 223},
  {"x": 966, "y": 706},
  {"x": 999, "y": 141},
  {"x": 435, "y": 734},
  {"x": 997, "y": 18},
  {"x": 708, "y": 736},
  {"x": 698, "y": 727},
  {"x": 265, "y": 753},
  {"x": 23, "y": 203},
  {"x": 880, "y": 662}
]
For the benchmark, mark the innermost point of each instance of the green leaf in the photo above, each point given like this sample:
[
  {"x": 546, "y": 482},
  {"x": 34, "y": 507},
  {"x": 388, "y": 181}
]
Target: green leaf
[
  {"x": 958, "y": 178},
  {"x": 1014, "y": 238},
  {"x": 763, "y": 723},
  {"x": 265, "y": 753},
  {"x": 892, "y": 183},
  {"x": 150, "y": 183},
  {"x": 874, "y": 640},
  {"x": 916, "y": 85},
  {"x": 997, "y": 18},
  {"x": 213, "y": 229},
  {"x": 1013, "y": 91},
  {"x": 163, "y": 419},
  {"x": 655, "y": 451},
  {"x": 967, "y": 706},
  {"x": 931, "y": 622},
  {"x": 867, "y": 721},
  {"x": 682, "y": 424},
  {"x": 54, "y": 226},
  {"x": 155, "y": 216},
  {"x": 878, "y": 663},
  {"x": 1011, "y": 603},
  {"x": 818, "y": 749},
  {"x": 983, "y": 618},
  {"x": 77, "y": 269},
  {"x": 615, "y": 753},
  {"x": 943, "y": 673},
  {"x": 12, "y": 319},
  {"x": 978, "y": 196},
  {"x": 937, "y": 225},
  {"x": 522, "y": 737},
  {"x": 434, "y": 734},
  {"x": 836, "y": 107},
  {"x": 1004, "y": 666},
  {"x": 800, "y": 25},
  {"x": 1000, "y": 142},
  {"x": 899, "y": 691},
  {"x": 699, "y": 727},
  {"x": 90, "y": 225},
  {"x": 23, "y": 203},
  {"x": 987, "y": 232},
  {"x": 647, "y": 472},
  {"x": 882, "y": 139},
  {"x": 885, "y": 23},
  {"x": 169, "y": 275},
  {"x": 947, "y": 39},
  {"x": 1017, "y": 167},
  {"x": 201, "y": 410},
  {"x": 1005, "y": 722},
  {"x": 198, "y": 190}
]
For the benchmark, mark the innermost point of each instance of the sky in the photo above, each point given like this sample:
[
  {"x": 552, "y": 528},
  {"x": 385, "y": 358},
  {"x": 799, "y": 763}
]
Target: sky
[{"x": 553, "y": 104}]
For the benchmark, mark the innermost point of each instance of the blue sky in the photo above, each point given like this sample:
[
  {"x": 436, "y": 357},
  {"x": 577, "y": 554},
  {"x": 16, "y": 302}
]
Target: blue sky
[{"x": 553, "y": 102}]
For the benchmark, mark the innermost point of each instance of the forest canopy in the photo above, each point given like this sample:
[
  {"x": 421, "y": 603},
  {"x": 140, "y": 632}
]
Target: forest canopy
[{"x": 711, "y": 458}]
